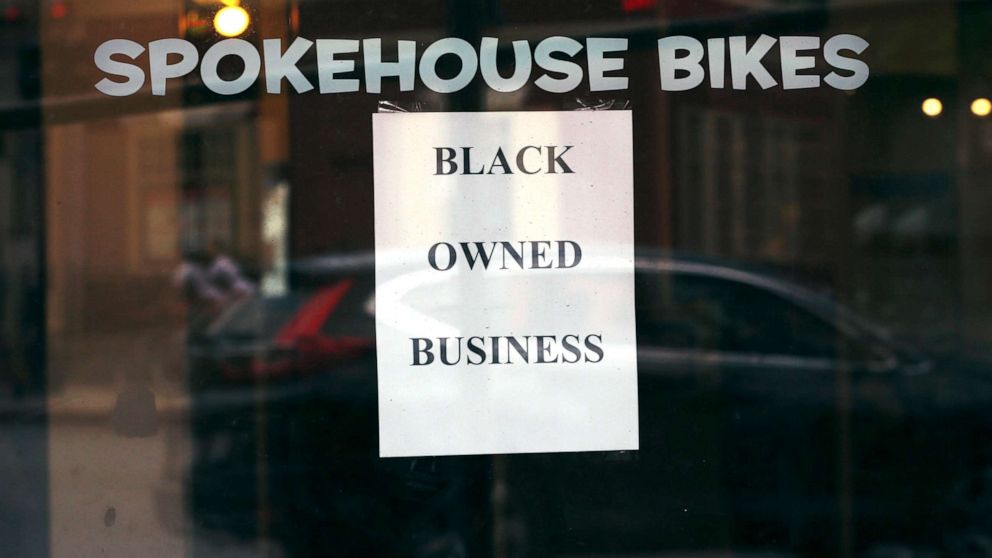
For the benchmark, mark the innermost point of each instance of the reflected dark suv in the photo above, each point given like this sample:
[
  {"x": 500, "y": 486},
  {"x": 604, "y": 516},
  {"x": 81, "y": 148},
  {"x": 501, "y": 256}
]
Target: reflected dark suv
[{"x": 772, "y": 419}]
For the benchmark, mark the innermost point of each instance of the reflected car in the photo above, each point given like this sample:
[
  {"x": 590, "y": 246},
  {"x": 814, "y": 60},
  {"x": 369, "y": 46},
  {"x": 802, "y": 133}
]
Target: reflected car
[
  {"x": 772, "y": 420},
  {"x": 286, "y": 336}
]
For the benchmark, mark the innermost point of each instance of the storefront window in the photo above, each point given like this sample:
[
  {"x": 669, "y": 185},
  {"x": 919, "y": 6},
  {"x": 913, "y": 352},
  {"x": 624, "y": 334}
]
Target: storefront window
[{"x": 495, "y": 278}]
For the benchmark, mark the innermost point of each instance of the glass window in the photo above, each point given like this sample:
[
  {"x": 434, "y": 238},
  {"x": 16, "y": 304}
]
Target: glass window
[{"x": 712, "y": 278}]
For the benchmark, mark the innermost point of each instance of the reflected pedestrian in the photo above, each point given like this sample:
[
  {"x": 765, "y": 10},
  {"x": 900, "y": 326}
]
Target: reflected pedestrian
[
  {"x": 203, "y": 300},
  {"x": 225, "y": 275}
]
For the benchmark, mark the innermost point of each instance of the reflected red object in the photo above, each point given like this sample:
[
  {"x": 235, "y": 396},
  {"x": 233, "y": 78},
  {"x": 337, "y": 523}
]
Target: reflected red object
[
  {"x": 300, "y": 347},
  {"x": 59, "y": 10},
  {"x": 638, "y": 5},
  {"x": 11, "y": 14},
  {"x": 307, "y": 322}
]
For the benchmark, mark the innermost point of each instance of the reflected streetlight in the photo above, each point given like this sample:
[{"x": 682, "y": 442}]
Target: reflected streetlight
[
  {"x": 932, "y": 107},
  {"x": 231, "y": 21},
  {"x": 981, "y": 107}
]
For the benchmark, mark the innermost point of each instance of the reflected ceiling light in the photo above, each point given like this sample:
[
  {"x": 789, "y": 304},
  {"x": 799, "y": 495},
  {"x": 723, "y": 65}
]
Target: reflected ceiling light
[
  {"x": 932, "y": 107},
  {"x": 981, "y": 107},
  {"x": 231, "y": 21}
]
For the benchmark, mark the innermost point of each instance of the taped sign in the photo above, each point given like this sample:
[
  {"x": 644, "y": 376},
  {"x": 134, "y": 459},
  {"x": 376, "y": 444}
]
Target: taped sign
[{"x": 505, "y": 282}]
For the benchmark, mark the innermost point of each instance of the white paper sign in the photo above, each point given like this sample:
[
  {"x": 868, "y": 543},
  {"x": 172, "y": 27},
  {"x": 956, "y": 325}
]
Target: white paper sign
[{"x": 504, "y": 282}]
